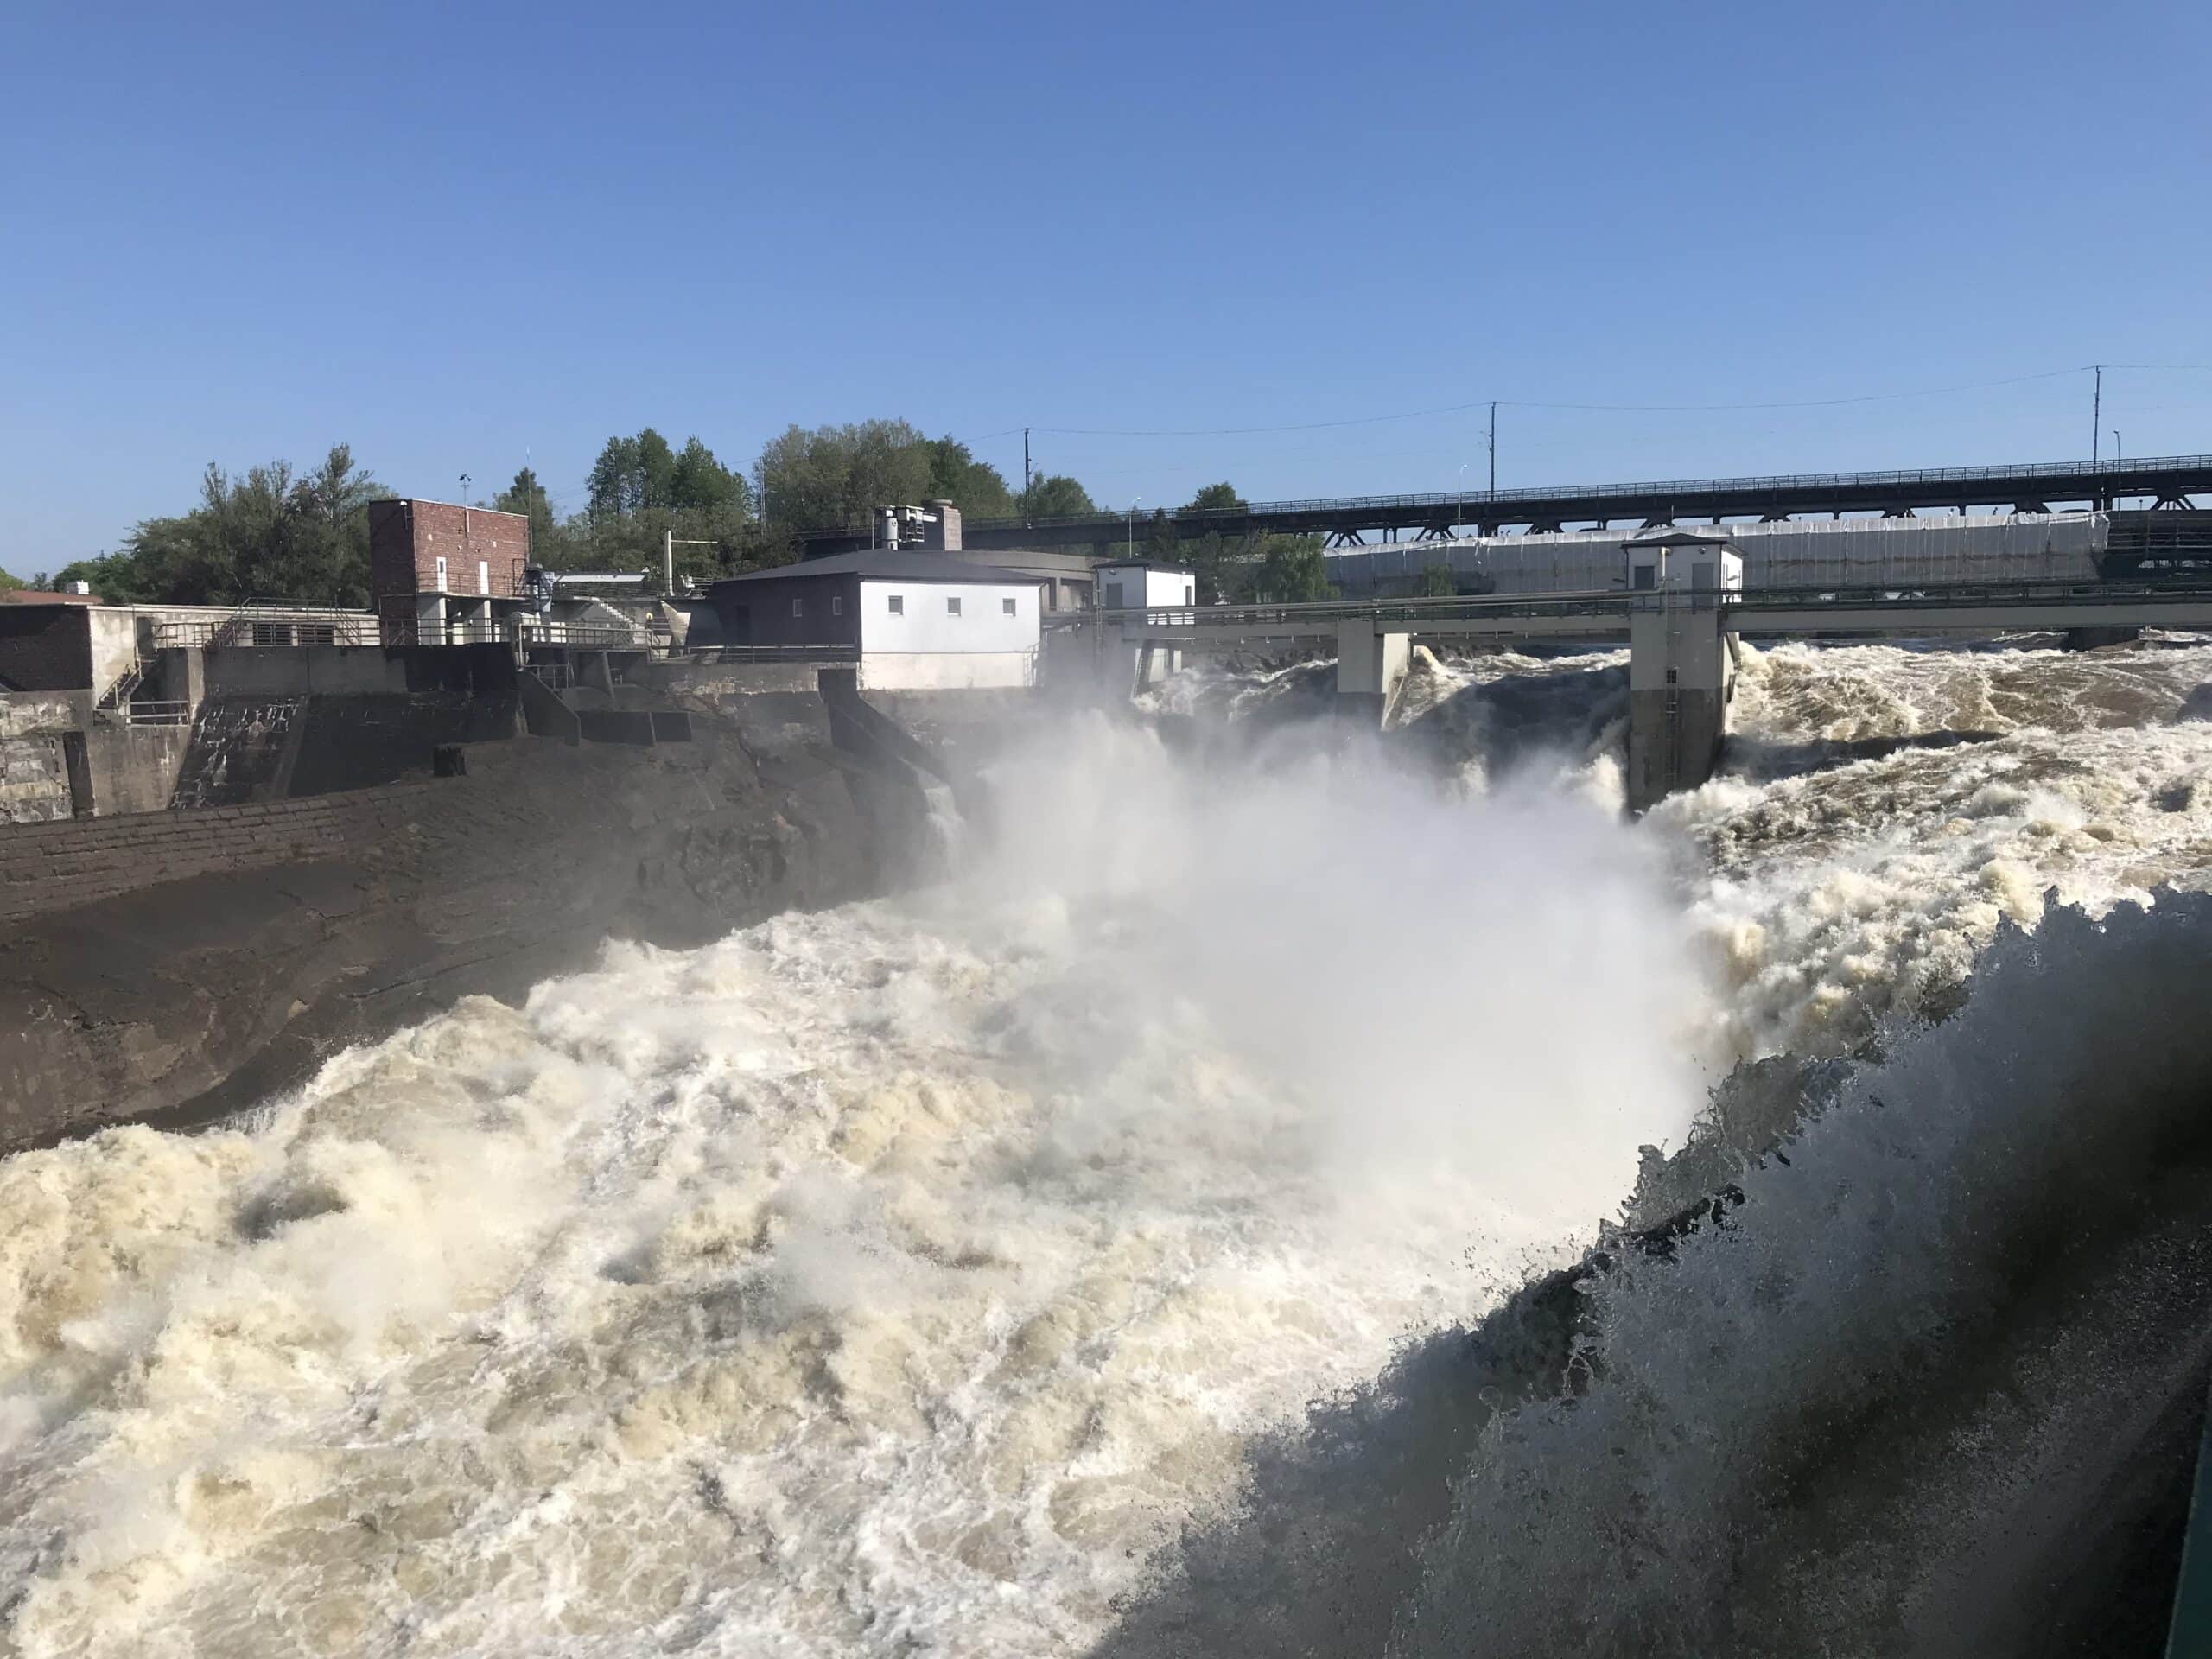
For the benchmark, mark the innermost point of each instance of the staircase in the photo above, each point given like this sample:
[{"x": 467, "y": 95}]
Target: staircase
[{"x": 115, "y": 700}]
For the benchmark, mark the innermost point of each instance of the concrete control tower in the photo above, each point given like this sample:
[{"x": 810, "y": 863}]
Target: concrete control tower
[{"x": 1682, "y": 673}]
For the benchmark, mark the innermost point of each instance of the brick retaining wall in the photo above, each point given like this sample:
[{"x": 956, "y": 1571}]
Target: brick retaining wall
[{"x": 46, "y": 866}]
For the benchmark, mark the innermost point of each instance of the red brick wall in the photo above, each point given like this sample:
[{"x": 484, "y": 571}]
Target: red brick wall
[{"x": 408, "y": 538}]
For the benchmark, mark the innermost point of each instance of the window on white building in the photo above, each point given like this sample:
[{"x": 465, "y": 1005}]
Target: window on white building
[
  {"x": 898, "y": 604},
  {"x": 798, "y": 607},
  {"x": 952, "y": 607},
  {"x": 442, "y": 573},
  {"x": 1005, "y": 607},
  {"x": 1190, "y": 590},
  {"x": 836, "y": 604}
]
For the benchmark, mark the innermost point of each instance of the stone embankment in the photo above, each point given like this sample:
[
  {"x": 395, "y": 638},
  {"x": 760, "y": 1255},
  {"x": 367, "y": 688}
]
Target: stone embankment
[{"x": 177, "y": 965}]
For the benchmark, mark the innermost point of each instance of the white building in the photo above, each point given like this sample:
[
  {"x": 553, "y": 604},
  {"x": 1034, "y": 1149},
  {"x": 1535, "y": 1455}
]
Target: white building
[
  {"x": 915, "y": 620},
  {"x": 1140, "y": 585},
  {"x": 1683, "y": 561}
]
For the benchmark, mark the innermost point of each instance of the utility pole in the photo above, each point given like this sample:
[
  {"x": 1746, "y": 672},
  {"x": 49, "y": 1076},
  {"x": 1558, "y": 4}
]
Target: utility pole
[
  {"x": 1133, "y": 529},
  {"x": 1493, "y": 450},
  {"x": 669, "y": 543},
  {"x": 1024, "y": 469},
  {"x": 2097, "y": 419}
]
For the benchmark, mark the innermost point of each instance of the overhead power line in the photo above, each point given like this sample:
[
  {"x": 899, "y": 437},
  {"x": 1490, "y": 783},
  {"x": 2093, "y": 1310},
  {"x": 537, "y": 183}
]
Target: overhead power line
[{"x": 1530, "y": 403}]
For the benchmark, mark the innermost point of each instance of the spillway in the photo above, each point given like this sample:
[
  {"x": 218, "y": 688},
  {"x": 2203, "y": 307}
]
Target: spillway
[{"x": 1115, "y": 1248}]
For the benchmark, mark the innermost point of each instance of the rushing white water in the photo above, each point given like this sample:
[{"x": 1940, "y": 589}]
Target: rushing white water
[
  {"x": 900, "y": 1275},
  {"x": 1838, "y": 895},
  {"x": 904, "y": 1277}
]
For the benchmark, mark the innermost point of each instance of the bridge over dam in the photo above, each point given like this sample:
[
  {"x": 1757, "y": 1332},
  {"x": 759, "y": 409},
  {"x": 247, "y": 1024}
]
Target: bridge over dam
[
  {"x": 2150, "y": 498},
  {"x": 1681, "y": 631}
]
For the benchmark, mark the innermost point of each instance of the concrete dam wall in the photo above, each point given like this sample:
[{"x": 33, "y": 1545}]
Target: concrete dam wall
[{"x": 188, "y": 963}]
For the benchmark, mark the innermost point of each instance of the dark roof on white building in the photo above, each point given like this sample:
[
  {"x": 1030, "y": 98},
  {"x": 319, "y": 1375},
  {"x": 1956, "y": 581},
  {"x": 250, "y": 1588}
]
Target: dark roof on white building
[
  {"x": 1668, "y": 535},
  {"x": 889, "y": 564},
  {"x": 1146, "y": 564}
]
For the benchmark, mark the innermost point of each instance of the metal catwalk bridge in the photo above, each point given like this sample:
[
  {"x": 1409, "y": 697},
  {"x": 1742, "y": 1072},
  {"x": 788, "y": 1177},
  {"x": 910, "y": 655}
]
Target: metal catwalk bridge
[{"x": 2168, "y": 482}]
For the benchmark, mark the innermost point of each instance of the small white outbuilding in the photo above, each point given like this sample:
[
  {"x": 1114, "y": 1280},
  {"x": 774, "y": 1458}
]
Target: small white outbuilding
[
  {"x": 1683, "y": 561},
  {"x": 1140, "y": 585}
]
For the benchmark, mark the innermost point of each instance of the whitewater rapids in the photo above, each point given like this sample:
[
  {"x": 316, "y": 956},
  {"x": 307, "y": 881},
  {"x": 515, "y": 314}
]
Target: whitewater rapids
[
  {"x": 899, "y": 1276},
  {"x": 924, "y": 1274}
]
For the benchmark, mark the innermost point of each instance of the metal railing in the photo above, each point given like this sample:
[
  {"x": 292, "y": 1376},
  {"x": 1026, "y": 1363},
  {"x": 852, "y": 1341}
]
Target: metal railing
[
  {"x": 157, "y": 712},
  {"x": 264, "y": 629},
  {"x": 525, "y": 631},
  {"x": 119, "y": 695},
  {"x": 595, "y": 635},
  {"x": 1316, "y": 616},
  {"x": 768, "y": 654},
  {"x": 1317, "y": 611}
]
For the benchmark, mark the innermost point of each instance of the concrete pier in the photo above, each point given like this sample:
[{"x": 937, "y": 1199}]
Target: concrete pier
[
  {"x": 1681, "y": 677},
  {"x": 1682, "y": 660},
  {"x": 1370, "y": 666}
]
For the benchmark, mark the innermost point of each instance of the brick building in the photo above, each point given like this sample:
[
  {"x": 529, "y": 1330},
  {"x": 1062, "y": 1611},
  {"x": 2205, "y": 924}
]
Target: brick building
[
  {"x": 433, "y": 566},
  {"x": 433, "y": 547}
]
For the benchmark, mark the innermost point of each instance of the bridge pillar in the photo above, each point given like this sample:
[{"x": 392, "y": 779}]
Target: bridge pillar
[
  {"x": 1681, "y": 677},
  {"x": 1370, "y": 665}
]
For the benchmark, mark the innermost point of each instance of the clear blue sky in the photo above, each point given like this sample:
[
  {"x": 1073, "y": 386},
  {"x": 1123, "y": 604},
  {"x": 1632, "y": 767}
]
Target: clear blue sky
[{"x": 452, "y": 236}]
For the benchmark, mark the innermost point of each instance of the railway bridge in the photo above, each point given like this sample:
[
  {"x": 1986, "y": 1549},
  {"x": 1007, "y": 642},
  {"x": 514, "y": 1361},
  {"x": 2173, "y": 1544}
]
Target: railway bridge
[{"x": 2163, "y": 488}]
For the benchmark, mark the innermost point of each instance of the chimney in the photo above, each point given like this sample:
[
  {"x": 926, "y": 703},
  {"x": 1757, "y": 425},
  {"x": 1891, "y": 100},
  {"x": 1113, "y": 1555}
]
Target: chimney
[{"x": 945, "y": 534}]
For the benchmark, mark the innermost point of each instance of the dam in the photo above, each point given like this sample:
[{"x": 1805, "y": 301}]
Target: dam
[
  {"x": 869, "y": 1167},
  {"x": 1680, "y": 600}
]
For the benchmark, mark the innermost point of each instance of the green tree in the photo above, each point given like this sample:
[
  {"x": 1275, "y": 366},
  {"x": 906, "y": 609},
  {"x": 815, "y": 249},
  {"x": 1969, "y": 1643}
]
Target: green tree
[
  {"x": 1215, "y": 497},
  {"x": 527, "y": 496},
  {"x": 1218, "y": 569},
  {"x": 838, "y": 477},
  {"x": 7, "y": 584},
  {"x": 1436, "y": 581},
  {"x": 1292, "y": 569},
  {"x": 616, "y": 484},
  {"x": 699, "y": 483},
  {"x": 656, "y": 471},
  {"x": 1162, "y": 545},
  {"x": 267, "y": 533},
  {"x": 640, "y": 491},
  {"x": 638, "y": 474},
  {"x": 115, "y": 577},
  {"x": 975, "y": 486},
  {"x": 1056, "y": 496}
]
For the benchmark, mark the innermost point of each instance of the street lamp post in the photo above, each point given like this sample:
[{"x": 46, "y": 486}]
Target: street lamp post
[{"x": 2116, "y": 455}]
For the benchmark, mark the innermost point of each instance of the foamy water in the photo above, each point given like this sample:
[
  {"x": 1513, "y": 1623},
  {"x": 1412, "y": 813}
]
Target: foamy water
[
  {"x": 1839, "y": 871},
  {"x": 906, "y": 1277},
  {"x": 900, "y": 1276}
]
